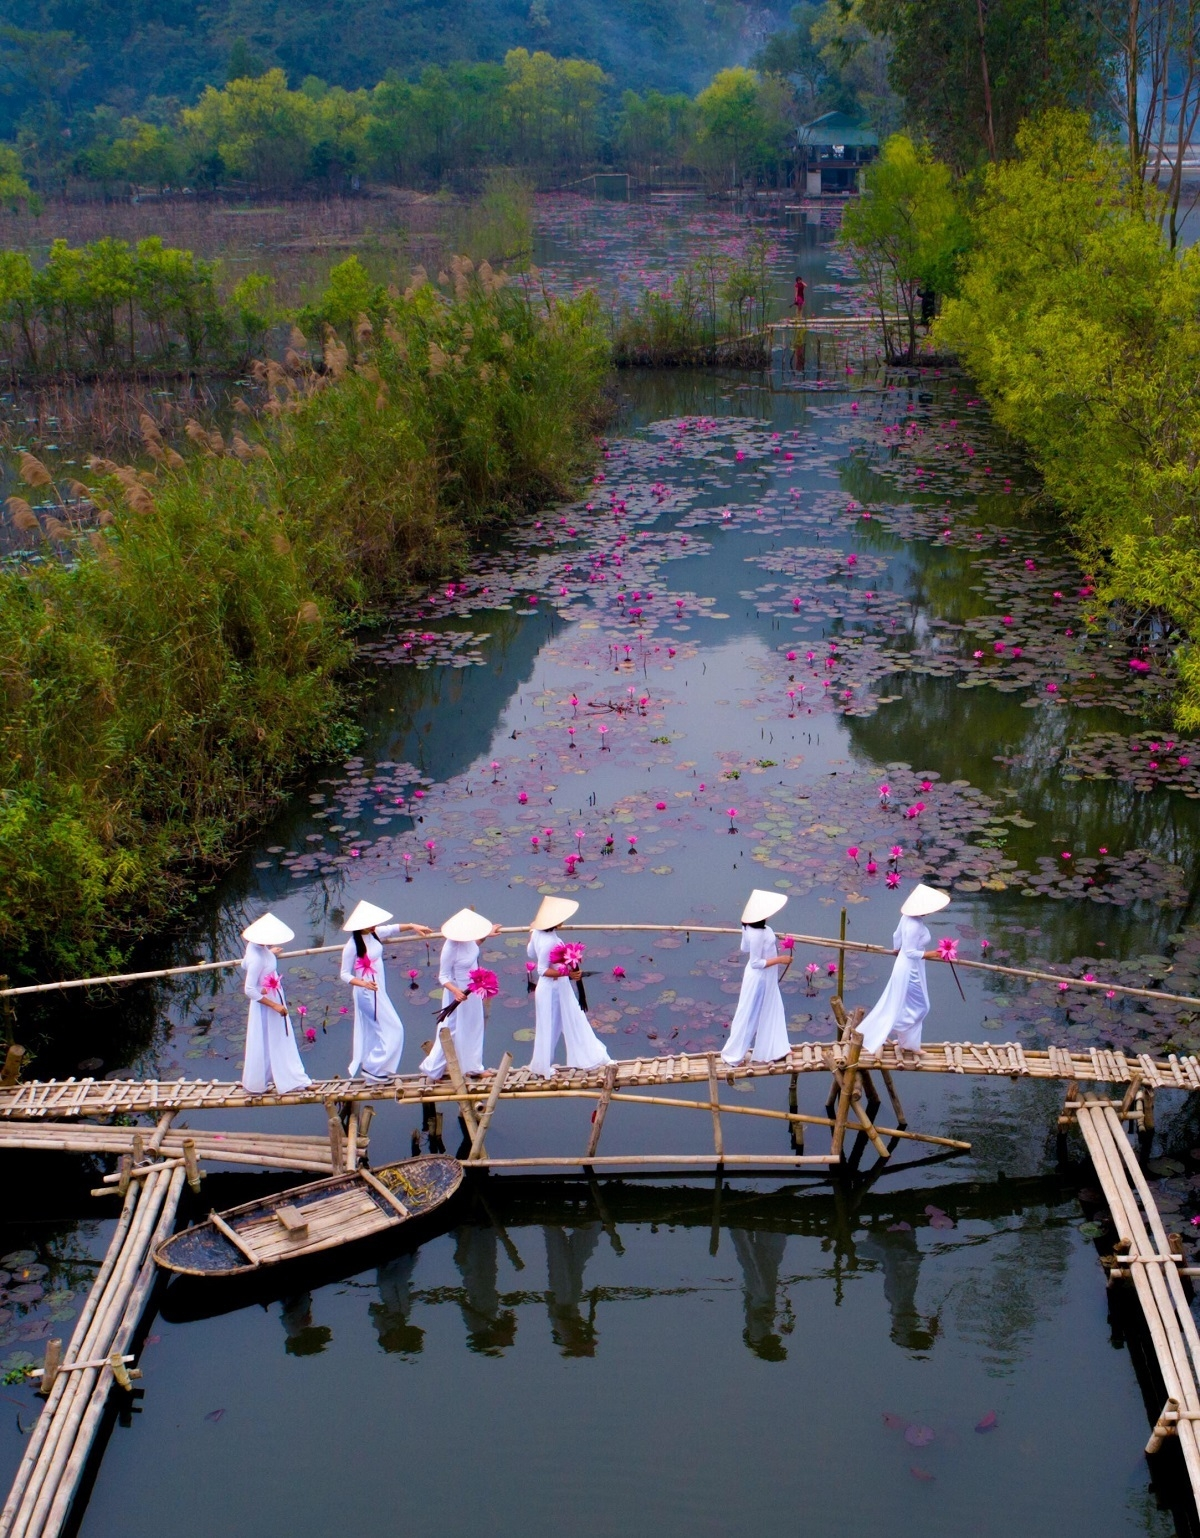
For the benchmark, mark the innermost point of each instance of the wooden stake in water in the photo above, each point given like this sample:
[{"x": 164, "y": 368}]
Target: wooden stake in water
[{"x": 841, "y": 972}]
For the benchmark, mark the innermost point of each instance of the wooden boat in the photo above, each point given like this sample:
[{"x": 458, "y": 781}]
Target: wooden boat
[{"x": 308, "y": 1219}]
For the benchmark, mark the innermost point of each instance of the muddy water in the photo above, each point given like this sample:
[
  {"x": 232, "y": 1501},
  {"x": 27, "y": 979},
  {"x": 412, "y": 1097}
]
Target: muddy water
[{"x": 779, "y": 596}]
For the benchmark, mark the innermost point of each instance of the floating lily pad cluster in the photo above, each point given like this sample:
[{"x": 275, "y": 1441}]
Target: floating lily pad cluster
[
  {"x": 1059, "y": 1012},
  {"x": 35, "y": 1299}
]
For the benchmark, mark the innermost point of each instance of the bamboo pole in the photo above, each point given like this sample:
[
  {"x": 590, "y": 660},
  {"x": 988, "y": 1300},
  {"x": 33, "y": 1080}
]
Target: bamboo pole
[
  {"x": 75, "y": 1350},
  {"x": 714, "y": 1105},
  {"x": 823, "y": 942},
  {"x": 446, "y": 1037},
  {"x": 848, "y": 1076},
  {"x": 68, "y": 1480},
  {"x": 598, "y": 1115},
  {"x": 40, "y": 1491},
  {"x": 655, "y": 1161},
  {"x": 489, "y": 1107}
]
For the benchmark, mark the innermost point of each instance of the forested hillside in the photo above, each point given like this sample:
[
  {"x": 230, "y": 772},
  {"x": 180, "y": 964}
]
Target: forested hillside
[{"x": 135, "y": 55}]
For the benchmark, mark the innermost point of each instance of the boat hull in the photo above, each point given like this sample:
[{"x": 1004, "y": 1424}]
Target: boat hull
[{"x": 307, "y": 1220}]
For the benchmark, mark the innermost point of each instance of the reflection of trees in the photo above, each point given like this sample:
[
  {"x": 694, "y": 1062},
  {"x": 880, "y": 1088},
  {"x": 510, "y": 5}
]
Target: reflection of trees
[
  {"x": 390, "y": 1315},
  {"x": 567, "y": 1255},
  {"x": 760, "y": 1256}
]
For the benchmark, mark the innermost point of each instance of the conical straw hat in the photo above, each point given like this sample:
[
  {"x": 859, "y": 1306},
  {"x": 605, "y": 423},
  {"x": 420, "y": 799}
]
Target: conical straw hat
[
  {"x": 762, "y": 905},
  {"x": 923, "y": 900},
  {"x": 466, "y": 924},
  {"x": 365, "y": 916},
  {"x": 553, "y": 912},
  {"x": 268, "y": 930}
]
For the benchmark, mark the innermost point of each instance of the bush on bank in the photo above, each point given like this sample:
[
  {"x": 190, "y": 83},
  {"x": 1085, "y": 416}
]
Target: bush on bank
[
  {"x": 1080, "y": 326},
  {"x": 167, "y": 672}
]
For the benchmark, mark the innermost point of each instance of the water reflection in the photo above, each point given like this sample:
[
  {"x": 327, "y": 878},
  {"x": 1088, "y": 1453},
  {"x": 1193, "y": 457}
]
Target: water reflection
[
  {"x": 768, "y": 1318},
  {"x": 893, "y": 1248},
  {"x": 302, "y": 1336},
  {"x": 567, "y": 1255},
  {"x": 394, "y": 1329},
  {"x": 491, "y": 1326}
]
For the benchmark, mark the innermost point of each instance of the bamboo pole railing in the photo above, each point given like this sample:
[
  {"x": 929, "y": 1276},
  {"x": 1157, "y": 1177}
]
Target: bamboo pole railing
[{"x": 820, "y": 942}]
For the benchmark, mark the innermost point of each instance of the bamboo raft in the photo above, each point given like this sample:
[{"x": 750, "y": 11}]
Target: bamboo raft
[
  {"x": 291, "y": 1225},
  {"x": 1153, "y": 1261},
  {"x": 77, "y": 1383}
]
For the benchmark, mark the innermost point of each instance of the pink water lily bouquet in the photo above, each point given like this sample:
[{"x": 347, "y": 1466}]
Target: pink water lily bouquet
[{"x": 484, "y": 982}]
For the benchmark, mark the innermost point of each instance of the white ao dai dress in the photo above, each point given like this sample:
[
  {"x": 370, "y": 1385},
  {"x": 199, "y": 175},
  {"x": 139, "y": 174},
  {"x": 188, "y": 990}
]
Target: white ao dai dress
[
  {"x": 459, "y": 958},
  {"x": 904, "y": 1003},
  {"x": 557, "y": 1013},
  {"x": 378, "y": 1029},
  {"x": 760, "y": 1022},
  {"x": 272, "y": 1053}
]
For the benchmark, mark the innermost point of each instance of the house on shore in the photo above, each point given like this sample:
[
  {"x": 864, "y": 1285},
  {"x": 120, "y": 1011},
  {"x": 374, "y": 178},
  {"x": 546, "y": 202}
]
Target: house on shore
[{"x": 831, "y": 151}]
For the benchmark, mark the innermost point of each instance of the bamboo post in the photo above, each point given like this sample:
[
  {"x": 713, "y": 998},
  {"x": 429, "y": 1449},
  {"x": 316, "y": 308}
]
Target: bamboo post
[
  {"x": 460, "y": 1084},
  {"x": 50, "y": 1366},
  {"x": 1130, "y": 1095},
  {"x": 192, "y": 1165},
  {"x": 888, "y": 1084},
  {"x": 849, "y": 1074},
  {"x": 352, "y": 1138},
  {"x": 337, "y": 1154},
  {"x": 489, "y": 1107},
  {"x": 1164, "y": 1426},
  {"x": 598, "y": 1115},
  {"x": 797, "y": 1127},
  {"x": 715, "y": 1107},
  {"x": 841, "y": 964},
  {"x": 11, "y": 1071}
]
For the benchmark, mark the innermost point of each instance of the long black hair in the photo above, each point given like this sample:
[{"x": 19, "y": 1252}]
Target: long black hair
[
  {"x": 755, "y": 924},
  {"x": 360, "y": 945}
]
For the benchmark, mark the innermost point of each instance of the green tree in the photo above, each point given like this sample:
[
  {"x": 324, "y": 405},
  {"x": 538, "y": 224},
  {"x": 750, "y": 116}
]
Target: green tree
[
  {"x": 971, "y": 72},
  {"x": 906, "y": 233},
  {"x": 15, "y": 191},
  {"x": 1078, "y": 322},
  {"x": 261, "y": 130},
  {"x": 742, "y": 125},
  {"x": 653, "y": 131}
]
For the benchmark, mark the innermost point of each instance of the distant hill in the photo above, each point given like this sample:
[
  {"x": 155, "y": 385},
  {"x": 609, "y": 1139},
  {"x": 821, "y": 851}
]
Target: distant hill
[{"x": 137, "y": 51}]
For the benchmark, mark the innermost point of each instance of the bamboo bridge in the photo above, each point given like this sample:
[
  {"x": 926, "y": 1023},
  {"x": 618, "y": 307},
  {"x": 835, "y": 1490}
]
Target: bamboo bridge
[{"x": 157, "y": 1157}]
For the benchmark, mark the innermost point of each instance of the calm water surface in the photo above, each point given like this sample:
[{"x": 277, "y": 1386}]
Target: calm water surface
[{"x": 922, "y": 1349}]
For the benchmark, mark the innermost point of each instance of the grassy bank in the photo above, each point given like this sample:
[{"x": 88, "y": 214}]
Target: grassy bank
[
  {"x": 1078, "y": 322},
  {"x": 166, "y": 673}
]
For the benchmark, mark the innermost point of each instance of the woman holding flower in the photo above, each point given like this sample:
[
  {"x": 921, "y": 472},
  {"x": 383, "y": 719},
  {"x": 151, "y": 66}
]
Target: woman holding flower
[
  {"x": 378, "y": 1030},
  {"x": 465, "y": 986},
  {"x": 759, "y": 1024},
  {"x": 556, "y": 1009},
  {"x": 272, "y": 1055},
  {"x": 900, "y": 1012}
]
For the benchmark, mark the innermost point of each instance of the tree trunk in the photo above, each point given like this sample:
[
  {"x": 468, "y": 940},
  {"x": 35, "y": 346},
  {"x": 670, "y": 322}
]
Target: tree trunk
[{"x": 989, "y": 125}]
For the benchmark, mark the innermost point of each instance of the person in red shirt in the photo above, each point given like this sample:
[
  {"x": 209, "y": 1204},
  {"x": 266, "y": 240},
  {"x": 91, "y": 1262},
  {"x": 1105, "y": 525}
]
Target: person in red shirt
[{"x": 798, "y": 301}]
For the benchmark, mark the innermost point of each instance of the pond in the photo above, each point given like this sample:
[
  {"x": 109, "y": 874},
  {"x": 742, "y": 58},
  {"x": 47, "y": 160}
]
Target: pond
[{"x": 806, "y": 631}]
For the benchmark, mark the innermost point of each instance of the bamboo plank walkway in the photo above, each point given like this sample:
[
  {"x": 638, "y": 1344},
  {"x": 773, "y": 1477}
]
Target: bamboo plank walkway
[
  {"x": 53, "y": 1100},
  {"x": 1153, "y": 1260},
  {"x": 43, "y": 1492}
]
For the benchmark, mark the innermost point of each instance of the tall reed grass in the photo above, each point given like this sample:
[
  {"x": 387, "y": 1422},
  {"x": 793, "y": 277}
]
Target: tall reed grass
[{"x": 161, "y": 685}]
